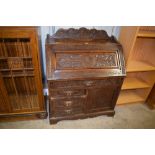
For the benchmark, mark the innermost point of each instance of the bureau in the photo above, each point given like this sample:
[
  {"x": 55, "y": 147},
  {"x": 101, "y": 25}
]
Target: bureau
[{"x": 85, "y": 72}]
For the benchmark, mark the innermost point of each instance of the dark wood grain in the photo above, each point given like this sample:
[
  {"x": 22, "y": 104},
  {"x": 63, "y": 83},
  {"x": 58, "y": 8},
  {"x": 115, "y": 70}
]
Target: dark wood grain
[
  {"x": 21, "y": 88},
  {"x": 87, "y": 61}
]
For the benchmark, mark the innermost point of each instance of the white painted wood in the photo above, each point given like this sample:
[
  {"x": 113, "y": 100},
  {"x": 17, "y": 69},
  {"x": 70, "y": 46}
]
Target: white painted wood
[
  {"x": 44, "y": 31},
  {"x": 116, "y": 31}
]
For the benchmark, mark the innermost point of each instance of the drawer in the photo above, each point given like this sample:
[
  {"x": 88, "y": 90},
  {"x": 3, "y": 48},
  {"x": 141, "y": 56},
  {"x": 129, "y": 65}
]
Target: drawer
[
  {"x": 67, "y": 93},
  {"x": 67, "y": 112},
  {"x": 66, "y": 103},
  {"x": 112, "y": 81}
]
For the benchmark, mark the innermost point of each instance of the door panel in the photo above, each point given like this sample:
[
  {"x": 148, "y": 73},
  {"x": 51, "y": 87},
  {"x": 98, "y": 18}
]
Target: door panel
[
  {"x": 100, "y": 98},
  {"x": 20, "y": 73}
]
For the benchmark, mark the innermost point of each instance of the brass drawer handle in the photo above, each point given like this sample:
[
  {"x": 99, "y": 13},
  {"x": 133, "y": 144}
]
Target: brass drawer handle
[
  {"x": 69, "y": 93},
  {"x": 68, "y": 111},
  {"x": 68, "y": 103},
  {"x": 88, "y": 83}
]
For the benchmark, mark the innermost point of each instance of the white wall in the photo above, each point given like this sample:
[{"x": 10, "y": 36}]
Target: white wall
[{"x": 111, "y": 30}]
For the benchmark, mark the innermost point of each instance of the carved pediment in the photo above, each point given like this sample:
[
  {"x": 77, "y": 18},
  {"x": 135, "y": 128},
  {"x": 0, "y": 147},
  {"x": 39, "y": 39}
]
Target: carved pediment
[{"x": 82, "y": 34}]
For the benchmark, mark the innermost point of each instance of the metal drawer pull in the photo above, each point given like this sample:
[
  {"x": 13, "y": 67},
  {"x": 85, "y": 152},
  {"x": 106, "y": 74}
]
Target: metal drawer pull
[
  {"x": 89, "y": 83},
  {"x": 68, "y": 103},
  {"x": 68, "y": 111},
  {"x": 69, "y": 93}
]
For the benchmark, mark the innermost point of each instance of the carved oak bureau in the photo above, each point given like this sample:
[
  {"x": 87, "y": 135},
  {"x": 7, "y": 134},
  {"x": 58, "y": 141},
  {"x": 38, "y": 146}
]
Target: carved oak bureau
[{"x": 85, "y": 71}]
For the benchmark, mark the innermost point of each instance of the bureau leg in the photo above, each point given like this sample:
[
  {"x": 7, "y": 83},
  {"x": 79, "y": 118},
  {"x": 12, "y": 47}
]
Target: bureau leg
[
  {"x": 111, "y": 114},
  {"x": 53, "y": 121}
]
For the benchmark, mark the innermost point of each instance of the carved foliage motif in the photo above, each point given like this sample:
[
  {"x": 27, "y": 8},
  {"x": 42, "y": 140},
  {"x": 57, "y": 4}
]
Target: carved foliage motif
[
  {"x": 81, "y": 34},
  {"x": 106, "y": 60},
  {"x": 66, "y": 61}
]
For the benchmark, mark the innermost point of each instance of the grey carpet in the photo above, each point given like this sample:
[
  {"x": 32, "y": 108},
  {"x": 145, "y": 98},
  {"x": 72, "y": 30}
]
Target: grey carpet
[{"x": 134, "y": 116}]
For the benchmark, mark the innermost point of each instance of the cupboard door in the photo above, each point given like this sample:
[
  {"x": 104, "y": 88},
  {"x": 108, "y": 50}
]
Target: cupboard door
[
  {"x": 20, "y": 71},
  {"x": 22, "y": 93},
  {"x": 100, "y": 98}
]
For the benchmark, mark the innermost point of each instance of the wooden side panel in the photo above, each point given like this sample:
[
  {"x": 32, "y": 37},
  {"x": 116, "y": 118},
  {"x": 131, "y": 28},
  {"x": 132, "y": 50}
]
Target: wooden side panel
[
  {"x": 144, "y": 50},
  {"x": 127, "y": 38}
]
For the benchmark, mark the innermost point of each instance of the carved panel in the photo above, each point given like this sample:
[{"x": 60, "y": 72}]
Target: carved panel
[
  {"x": 100, "y": 98},
  {"x": 81, "y": 34},
  {"x": 84, "y": 60},
  {"x": 106, "y": 60}
]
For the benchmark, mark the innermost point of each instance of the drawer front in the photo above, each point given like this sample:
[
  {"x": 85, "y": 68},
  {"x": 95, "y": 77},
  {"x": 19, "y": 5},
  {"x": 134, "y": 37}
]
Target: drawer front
[
  {"x": 113, "y": 81},
  {"x": 67, "y": 107},
  {"x": 67, "y": 93},
  {"x": 84, "y": 60},
  {"x": 67, "y": 112},
  {"x": 68, "y": 103}
]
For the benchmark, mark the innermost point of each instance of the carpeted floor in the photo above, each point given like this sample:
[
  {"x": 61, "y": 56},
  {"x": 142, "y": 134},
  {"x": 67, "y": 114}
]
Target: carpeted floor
[{"x": 127, "y": 116}]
